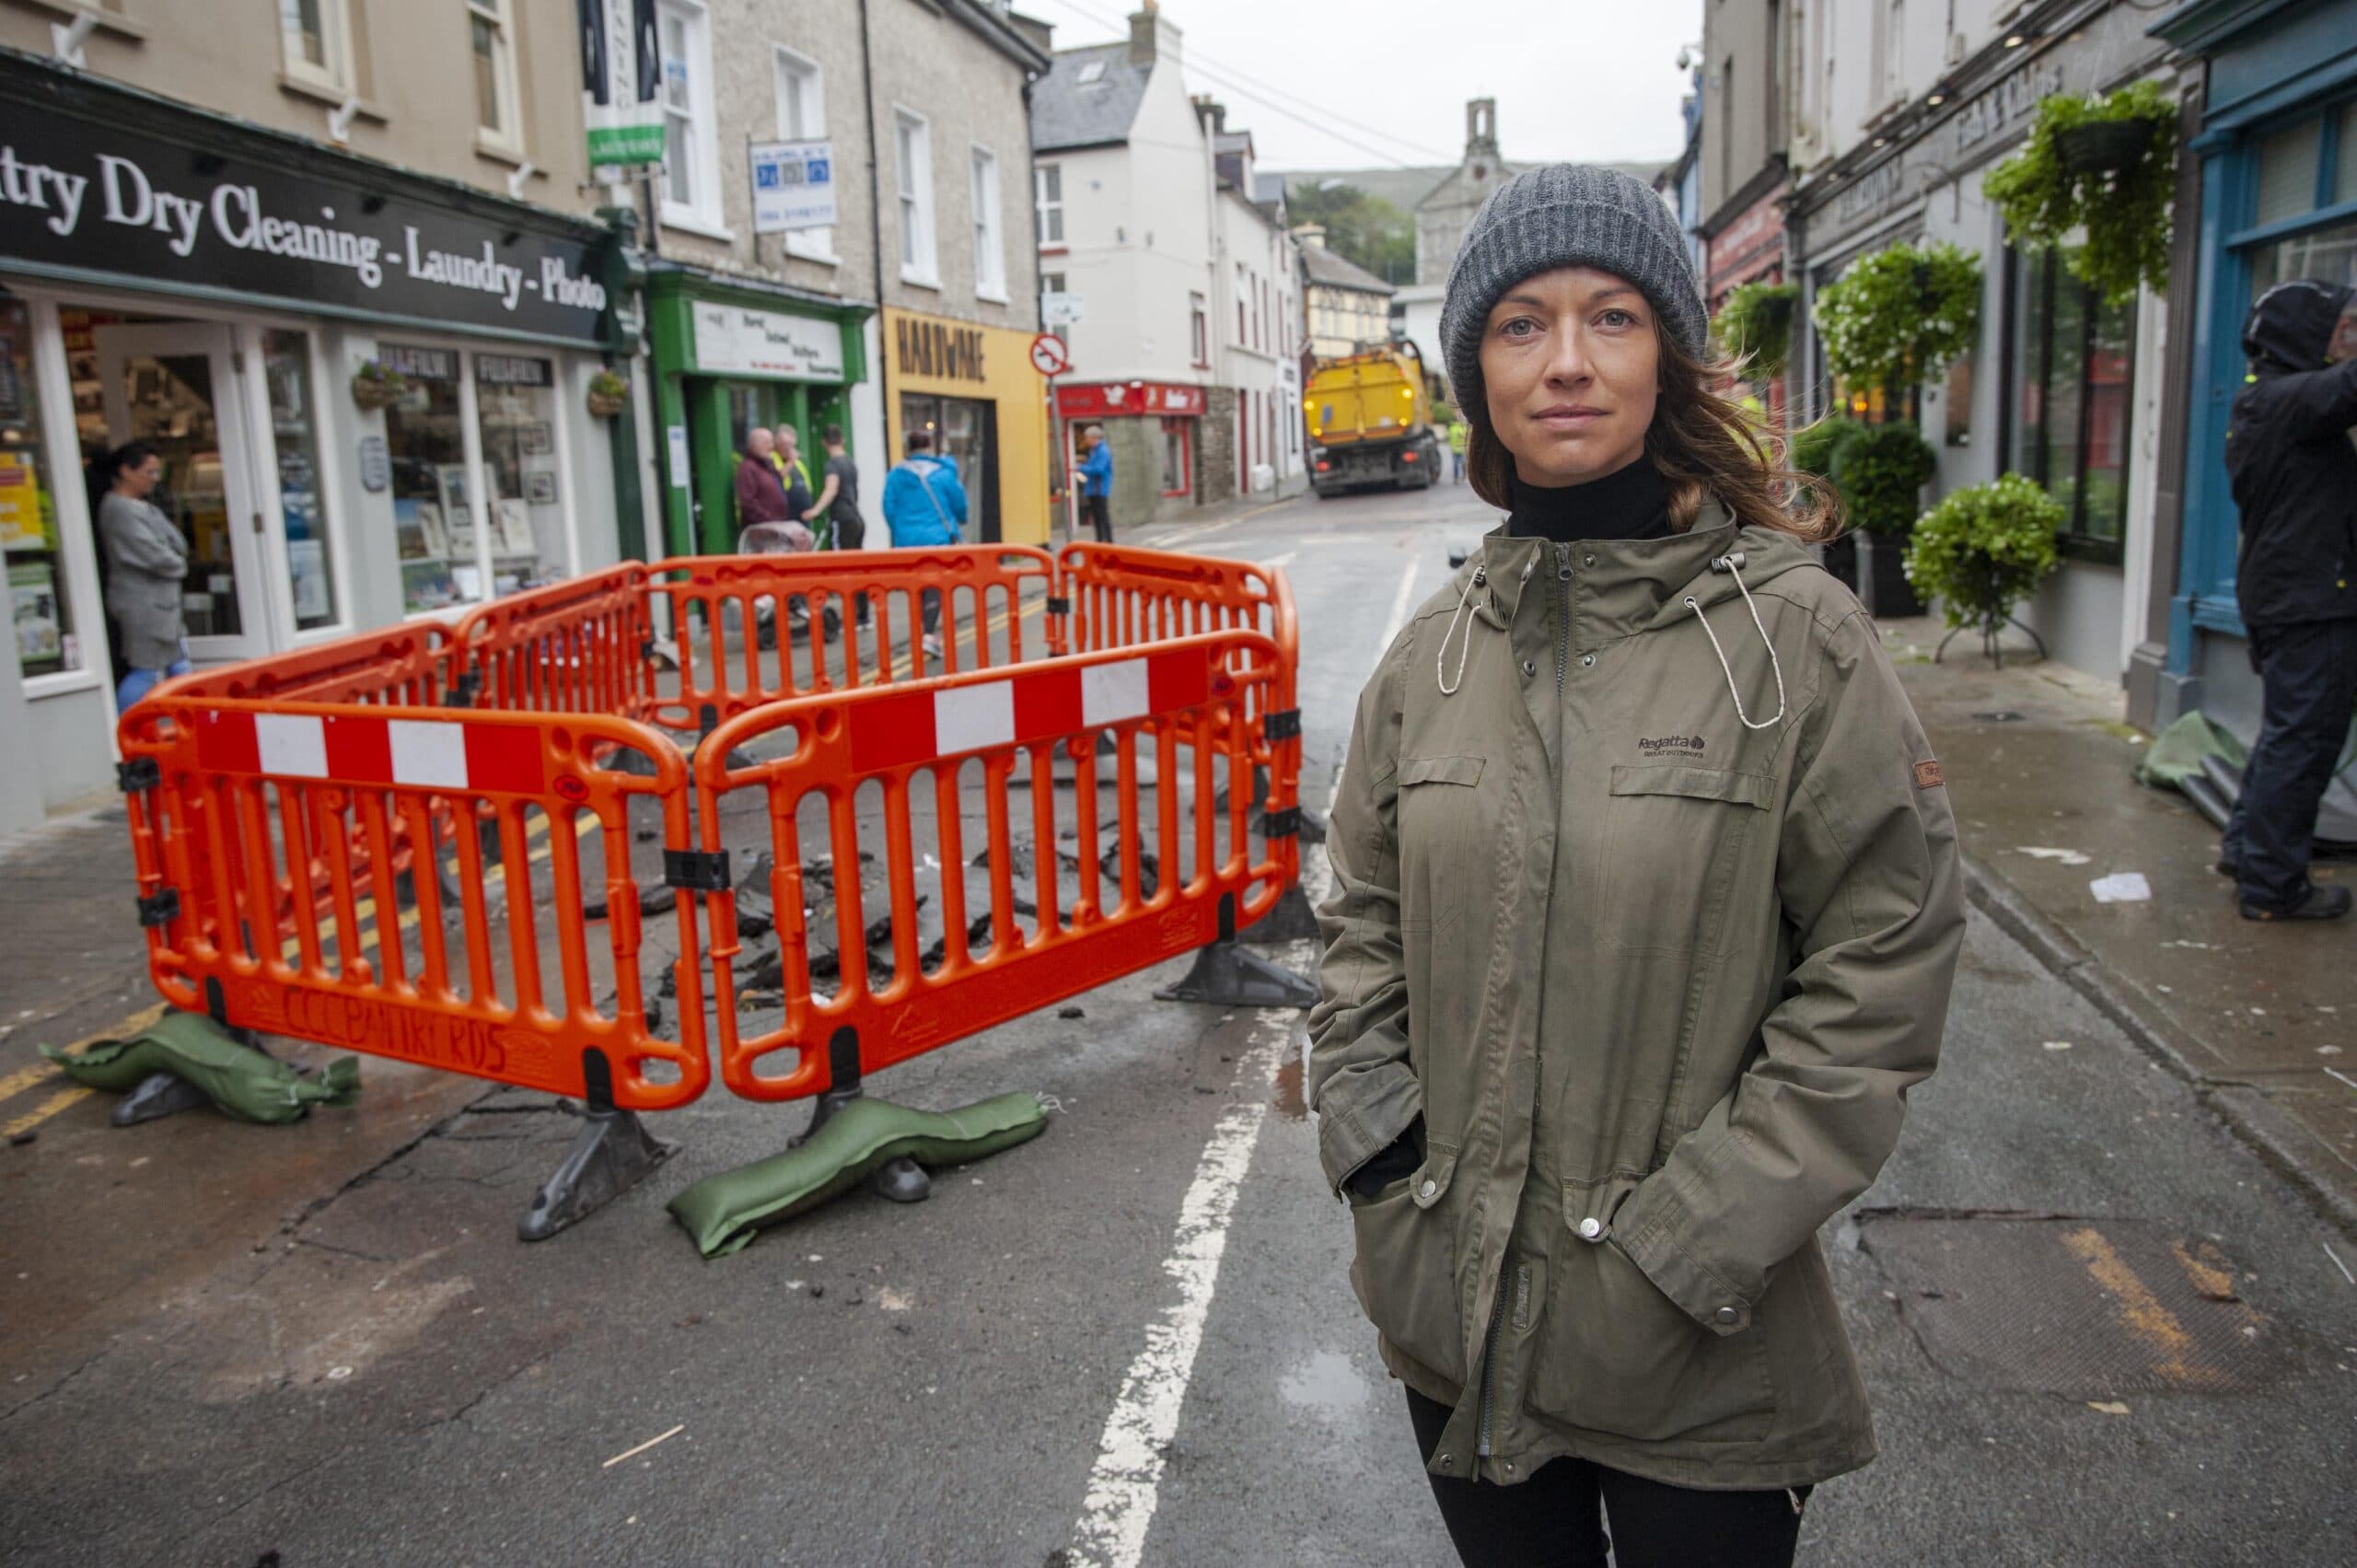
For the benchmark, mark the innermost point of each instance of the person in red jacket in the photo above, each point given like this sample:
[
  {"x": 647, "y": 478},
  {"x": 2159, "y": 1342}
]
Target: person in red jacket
[{"x": 760, "y": 492}]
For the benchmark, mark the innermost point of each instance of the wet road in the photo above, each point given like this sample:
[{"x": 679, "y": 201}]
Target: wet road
[{"x": 1131, "y": 1340}]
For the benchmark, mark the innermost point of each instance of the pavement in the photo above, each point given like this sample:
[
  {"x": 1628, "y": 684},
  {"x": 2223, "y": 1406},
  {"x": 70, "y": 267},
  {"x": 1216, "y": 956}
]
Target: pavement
[
  {"x": 2101, "y": 1322},
  {"x": 2260, "y": 1019}
]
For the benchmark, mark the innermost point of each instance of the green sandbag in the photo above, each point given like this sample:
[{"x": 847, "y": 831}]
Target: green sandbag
[
  {"x": 2178, "y": 752},
  {"x": 238, "y": 1078},
  {"x": 721, "y": 1212}
]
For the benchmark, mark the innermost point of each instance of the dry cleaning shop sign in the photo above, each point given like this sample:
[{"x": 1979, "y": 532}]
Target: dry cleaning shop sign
[{"x": 79, "y": 196}]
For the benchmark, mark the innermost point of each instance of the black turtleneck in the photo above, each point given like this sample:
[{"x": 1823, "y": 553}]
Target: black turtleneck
[{"x": 1631, "y": 501}]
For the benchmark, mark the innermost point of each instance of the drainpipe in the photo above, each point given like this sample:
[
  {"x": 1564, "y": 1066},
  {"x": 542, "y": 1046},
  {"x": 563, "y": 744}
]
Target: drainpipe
[{"x": 875, "y": 232}]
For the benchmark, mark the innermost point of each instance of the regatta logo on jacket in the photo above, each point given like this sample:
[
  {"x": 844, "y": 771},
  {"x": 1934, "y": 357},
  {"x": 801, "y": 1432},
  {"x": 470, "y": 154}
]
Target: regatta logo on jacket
[{"x": 1654, "y": 746}]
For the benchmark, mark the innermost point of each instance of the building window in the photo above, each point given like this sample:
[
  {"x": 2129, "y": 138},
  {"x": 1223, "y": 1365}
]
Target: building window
[
  {"x": 1199, "y": 330},
  {"x": 1240, "y": 291},
  {"x": 1178, "y": 455},
  {"x": 990, "y": 249},
  {"x": 1894, "y": 53},
  {"x": 691, "y": 153},
  {"x": 295, "y": 421},
  {"x": 1052, "y": 283},
  {"x": 434, "y": 522},
  {"x": 912, "y": 177},
  {"x": 2073, "y": 362},
  {"x": 39, "y": 595},
  {"x": 516, "y": 418},
  {"x": 498, "y": 118},
  {"x": 802, "y": 117},
  {"x": 1048, "y": 196},
  {"x": 316, "y": 40}
]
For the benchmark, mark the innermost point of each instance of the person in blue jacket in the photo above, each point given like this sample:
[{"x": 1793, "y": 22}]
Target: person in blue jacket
[
  {"x": 925, "y": 504},
  {"x": 1096, "y": 482}
]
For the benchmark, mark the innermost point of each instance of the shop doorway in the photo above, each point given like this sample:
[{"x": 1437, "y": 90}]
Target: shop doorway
[
  {"x": 967, "y": 430},
  {"x": 172, "y": 385}
]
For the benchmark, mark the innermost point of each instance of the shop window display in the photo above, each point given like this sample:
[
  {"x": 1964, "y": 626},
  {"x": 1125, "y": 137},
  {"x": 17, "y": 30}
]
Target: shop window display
[
  {"x": 516, "y": 401},
  {"x": 434, "y": 517},
  {"x": 41, "y": 608}
]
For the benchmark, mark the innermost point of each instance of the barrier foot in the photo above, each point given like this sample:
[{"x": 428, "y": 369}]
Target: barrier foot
[
  {"x": 1228, "y": 974},
  {"x": 901, "y": 1181},
  {"x": 158, "y": 1094},
  {"x": 611, "y": 1154},
  {"x": 1292, "y": 919}
]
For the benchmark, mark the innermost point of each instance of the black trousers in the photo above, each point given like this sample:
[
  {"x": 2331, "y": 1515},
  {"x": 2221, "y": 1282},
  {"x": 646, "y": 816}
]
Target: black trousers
[
  {"x": 2309, "y": 674},
  {"x": 1557, "y": 1517},
  {"x": 1098, "y": 510},
  {"x": 851, "y": 533}
]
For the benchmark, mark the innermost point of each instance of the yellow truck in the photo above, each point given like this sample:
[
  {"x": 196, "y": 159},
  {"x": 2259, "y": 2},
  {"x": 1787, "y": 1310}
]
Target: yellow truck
[{"x": 1370, "y": 419}]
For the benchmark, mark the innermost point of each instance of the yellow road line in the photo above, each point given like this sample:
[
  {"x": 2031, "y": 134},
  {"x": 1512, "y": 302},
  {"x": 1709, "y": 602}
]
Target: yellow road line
[{"x": 44, "y": 1110}]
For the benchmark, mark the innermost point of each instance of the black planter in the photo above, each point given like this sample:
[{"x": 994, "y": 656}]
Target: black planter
[
  {"x": 2102, "y": 145},
  {"x": 1841, "y": 560},
  {"x": 1883, "y": 586}
]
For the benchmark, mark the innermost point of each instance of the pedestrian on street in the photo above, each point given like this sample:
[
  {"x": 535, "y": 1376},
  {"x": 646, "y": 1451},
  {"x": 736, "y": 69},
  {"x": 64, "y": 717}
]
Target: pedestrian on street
[
  {"x": 761, "y": 487},
  {"x": 147, "y": 560},
  {"x": 793, "y": 474},
  {"x": 839, "y": 501},
  {"x": 1646, "y": 910},
  {"x": 925, "y": 504},
  {"x": 1456, "y": 434},
  {"x": 2295, "y": 475},
  {"x": 1096, "y": 482}
]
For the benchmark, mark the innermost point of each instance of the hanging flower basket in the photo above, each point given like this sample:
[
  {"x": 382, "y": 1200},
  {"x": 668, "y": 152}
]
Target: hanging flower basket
[
  {"x": 1756, "y": 322},
  {"x": 2101, "y": 146},
  {"x": 609, "y": 394},
  {"x": 2104, "y": 168},
  {"x": 374, "y": 387},
  {"x": 1900, "y": 315}
]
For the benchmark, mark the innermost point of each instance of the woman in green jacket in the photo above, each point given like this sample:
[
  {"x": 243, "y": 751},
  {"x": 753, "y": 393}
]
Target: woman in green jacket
[{"x": 1646, "y": 910}]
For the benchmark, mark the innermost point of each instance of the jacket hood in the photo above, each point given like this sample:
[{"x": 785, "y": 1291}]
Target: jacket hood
[{"x": 2291, "y": 327}]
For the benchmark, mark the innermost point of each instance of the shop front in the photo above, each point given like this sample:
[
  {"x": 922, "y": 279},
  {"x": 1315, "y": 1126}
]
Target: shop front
[
  {"x": 732, "y": 353},
  {"x": 974, "y": 388},
  {"x": 1153, "y": 428},
  {"x": 367, "y": 390},
  {"x": 1749, "y": 247},
  {"x": 2278, "y": 147}
]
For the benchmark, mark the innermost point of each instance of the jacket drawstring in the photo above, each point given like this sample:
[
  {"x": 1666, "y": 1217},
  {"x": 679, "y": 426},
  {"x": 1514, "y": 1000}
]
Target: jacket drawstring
[
  {"x": 1481, "y": 578},
  {"x": 1733, "y": 565}
]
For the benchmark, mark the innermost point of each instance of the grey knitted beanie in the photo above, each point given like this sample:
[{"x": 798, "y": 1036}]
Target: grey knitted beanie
[{"x": 1565, "y": 215}]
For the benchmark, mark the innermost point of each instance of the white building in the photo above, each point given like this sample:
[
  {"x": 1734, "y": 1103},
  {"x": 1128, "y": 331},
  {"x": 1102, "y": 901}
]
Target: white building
[{"x": 1255, "y": 265}]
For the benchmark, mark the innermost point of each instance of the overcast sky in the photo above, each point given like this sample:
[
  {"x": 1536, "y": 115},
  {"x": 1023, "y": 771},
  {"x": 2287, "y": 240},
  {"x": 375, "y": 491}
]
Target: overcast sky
[{"x": 1574, "y": 79}]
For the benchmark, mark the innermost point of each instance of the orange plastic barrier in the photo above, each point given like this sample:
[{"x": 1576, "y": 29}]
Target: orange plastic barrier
[{"x": 279, "y": 812}]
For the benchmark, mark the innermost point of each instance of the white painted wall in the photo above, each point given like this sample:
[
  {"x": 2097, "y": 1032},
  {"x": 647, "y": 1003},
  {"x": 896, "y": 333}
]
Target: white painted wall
[{"x": 1840, "y": 53}]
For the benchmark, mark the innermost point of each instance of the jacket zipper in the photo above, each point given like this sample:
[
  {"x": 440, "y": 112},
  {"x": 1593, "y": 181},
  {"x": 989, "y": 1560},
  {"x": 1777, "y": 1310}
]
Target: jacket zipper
[
  {"x": 1490, "y": 1362},
  {"x": 1563, "y": 613}
]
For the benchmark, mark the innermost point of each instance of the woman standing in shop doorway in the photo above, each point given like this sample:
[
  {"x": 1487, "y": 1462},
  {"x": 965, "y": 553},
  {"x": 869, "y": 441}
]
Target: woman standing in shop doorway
[
  {"x": 1646, "y": 910},
  {"x": 146, "y": 559}
]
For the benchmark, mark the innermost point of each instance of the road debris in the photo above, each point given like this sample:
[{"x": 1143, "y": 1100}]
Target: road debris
[
  {"x": 643, "y": 1448},
  {"x": 2122, "y": 887}
]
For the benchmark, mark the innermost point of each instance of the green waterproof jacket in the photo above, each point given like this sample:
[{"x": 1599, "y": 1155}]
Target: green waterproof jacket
[{"x": 1647, "y": 901}]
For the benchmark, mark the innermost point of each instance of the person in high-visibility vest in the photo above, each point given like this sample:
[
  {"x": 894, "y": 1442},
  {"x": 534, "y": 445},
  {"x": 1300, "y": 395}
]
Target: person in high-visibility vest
[{"x": 1456, "y": 451}]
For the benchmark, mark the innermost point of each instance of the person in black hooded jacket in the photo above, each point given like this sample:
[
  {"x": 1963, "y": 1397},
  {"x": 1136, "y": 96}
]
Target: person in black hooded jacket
[{"x": 2293, "y": 466}]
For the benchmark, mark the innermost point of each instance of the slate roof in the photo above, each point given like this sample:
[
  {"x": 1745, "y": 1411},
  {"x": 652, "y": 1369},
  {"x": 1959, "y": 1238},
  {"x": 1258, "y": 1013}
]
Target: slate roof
[
  {"x": 1339, "y": 271},
  {"x": 1067, "y": 113}
]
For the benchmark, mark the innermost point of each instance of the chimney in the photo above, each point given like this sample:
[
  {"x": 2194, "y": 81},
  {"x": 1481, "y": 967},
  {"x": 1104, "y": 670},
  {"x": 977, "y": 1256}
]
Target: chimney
[
  {"x": 1039, "y": 34},
  {"x": 1312, "y": 235},
  {"x": 1210, "y": 114},
  {"x": 1144, "y": 24}
]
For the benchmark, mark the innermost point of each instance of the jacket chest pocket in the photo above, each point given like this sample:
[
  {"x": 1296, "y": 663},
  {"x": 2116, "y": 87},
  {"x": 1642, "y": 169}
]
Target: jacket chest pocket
[
  {"x": 1674, "y": 839},
  {"x": 1439, "y": 828}
]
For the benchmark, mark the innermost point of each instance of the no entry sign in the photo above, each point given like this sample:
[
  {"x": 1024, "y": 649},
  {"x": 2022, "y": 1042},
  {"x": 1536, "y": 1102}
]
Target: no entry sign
[{"x": 1049, "y": 355}]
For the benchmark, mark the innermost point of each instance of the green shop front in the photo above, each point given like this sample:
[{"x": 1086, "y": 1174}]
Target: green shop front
[{"x": 730, "y": 355}]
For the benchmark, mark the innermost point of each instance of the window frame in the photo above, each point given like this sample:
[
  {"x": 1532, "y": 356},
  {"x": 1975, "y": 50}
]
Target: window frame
[
  {"x": 340, "y": 74},
  {"x": 2075, "y": 539},
  {"x": 807, "y": 244},
  {"x": 508, "y": 138},
  {"x": 1046, "y": 212},
  {"x": 987, "y": 196},
  {"x": 703, "y": 213},
  {"x": 913, "y": 205},
  {"x": 1184, "y": 428},
  {"x": 1199, "y": 306}
]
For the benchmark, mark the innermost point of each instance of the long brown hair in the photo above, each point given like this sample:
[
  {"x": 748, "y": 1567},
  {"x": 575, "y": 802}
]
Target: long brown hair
[{"x": 1706, "y": 445}]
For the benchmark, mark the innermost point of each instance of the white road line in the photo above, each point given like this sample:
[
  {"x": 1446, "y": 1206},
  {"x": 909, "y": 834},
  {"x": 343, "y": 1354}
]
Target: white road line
[
  {"x": 1273, "y": 562},
  {"x": 1125, "y": 1485}
]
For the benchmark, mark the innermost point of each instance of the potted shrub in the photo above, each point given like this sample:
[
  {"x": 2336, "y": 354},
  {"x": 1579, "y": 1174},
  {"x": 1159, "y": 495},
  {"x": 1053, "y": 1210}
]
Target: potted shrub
[
  {"x": 374, "y": 386},
  {"x": 1882, "y": 470},
  {"x": 1896, "y": 317},
  {"x": 609, "y": 394},
  {"x": 2106, "y": 167},
  {"x": 1980, "y": 550},
  {"x": 1755, "y": 324},
  {"x": 1812, "y": 452}
]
